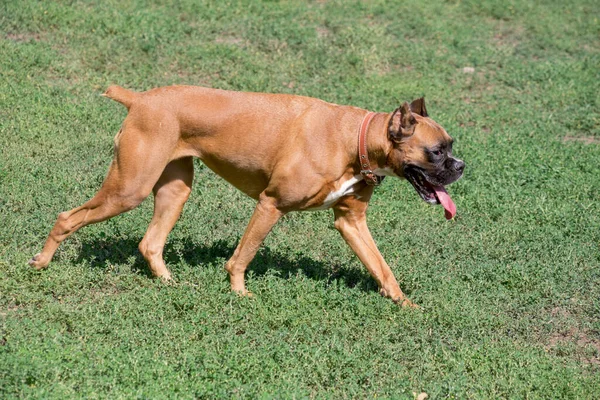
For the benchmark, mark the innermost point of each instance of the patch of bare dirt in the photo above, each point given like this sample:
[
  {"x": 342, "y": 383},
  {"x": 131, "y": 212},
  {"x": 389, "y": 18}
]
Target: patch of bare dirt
[
  {"x": 508, "y": 35},
  {"x": 582, "y": 340},
  {"x": 323, "y": 32},
  {"x": 582, "y": 139},
  {"x": 229, "y": 40},
  {"x": 9, "y": 309},
  {"x": 24, "y": 37}
]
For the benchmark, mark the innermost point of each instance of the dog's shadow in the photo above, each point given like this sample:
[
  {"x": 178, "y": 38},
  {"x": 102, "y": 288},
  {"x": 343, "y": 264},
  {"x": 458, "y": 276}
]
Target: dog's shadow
[{"x": 100, "y": 253}]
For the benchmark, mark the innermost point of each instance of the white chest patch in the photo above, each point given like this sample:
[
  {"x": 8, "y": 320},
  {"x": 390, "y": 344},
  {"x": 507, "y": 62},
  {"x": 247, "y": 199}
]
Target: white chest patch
[{"x": 346, "y": 188}]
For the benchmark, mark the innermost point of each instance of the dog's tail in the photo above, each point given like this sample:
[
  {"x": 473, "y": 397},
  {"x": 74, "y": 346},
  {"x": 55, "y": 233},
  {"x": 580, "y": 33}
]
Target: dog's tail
[{"x": 122, "y": 95}]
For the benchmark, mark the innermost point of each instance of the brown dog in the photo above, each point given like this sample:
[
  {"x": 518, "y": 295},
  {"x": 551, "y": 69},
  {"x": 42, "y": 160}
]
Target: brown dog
[{"x": 290, "y": 153}]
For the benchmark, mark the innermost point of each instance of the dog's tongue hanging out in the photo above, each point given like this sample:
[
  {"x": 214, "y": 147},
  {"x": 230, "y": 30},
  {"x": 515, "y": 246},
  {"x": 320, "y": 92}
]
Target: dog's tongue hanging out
[{"x": 446, "y": 202}]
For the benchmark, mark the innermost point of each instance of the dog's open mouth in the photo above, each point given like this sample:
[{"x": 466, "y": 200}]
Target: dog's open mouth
[{"x": 430, "y": 193}]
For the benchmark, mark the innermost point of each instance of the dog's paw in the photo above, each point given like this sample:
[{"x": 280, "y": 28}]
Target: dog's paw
[
  {"x": 38, "y": 262},
  {"x": 399, "y": 299},
  {"x": 406, "y": 303},
  {"x": 243, "y": 293},
  {"x": 167, "y": 279}
]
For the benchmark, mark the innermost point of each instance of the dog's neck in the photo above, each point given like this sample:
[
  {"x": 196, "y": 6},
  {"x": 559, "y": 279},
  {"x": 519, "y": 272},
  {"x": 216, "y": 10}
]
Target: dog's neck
[{"x": 378, "y": 143}]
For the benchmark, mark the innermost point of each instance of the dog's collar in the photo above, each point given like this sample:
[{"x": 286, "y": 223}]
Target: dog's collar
[{"x": 363, "y": 156}]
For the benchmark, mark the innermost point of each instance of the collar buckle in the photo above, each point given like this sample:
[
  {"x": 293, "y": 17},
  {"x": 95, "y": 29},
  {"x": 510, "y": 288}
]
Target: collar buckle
[
  {"x": 370, "y": 177},
  {"x": 366, "y": 171}
]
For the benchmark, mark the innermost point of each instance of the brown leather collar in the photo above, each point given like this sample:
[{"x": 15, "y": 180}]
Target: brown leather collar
[{"x": 363, "y": 155}]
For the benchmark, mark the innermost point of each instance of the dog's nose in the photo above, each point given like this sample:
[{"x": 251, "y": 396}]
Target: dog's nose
[{"x": 459, "y": 165}]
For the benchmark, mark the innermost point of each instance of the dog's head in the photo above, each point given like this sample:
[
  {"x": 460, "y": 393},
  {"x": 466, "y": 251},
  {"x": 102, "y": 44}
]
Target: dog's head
[{"x": 422, "y": 153}]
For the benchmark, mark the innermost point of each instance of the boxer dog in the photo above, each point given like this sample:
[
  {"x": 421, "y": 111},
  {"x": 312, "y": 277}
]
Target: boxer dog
[{"x": 290, "y": 153}]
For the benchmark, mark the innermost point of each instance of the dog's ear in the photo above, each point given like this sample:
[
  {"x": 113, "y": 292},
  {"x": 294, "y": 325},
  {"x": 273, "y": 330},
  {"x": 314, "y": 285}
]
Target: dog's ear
[
  {"x": 402, "y": 123},
  {"x": 418, "y": 107}
]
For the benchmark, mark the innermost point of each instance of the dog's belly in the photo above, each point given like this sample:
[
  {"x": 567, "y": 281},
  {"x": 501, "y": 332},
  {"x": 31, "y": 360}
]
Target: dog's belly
[
  {"x": 245, "y": 170},
  {"x": 250, "y": 182}
]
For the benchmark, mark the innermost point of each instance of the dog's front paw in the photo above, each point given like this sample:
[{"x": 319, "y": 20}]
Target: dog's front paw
[
  {"x": 244, "y": 293},
  {"x": 38, "y": 262},
  {"x": 167, "y": 279},
  {"x": 398, "y": 298},
  {"x": 406, "y": 303}
]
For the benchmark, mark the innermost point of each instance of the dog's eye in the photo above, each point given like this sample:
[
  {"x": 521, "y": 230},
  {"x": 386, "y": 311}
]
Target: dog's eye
[{"x": 437, "y": 153}]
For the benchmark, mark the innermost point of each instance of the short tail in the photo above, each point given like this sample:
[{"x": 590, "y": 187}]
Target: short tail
[{"x": 122, "y": 95}]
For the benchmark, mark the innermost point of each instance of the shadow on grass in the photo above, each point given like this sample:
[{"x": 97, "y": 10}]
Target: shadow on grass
[{"x": 102, "y": 252}]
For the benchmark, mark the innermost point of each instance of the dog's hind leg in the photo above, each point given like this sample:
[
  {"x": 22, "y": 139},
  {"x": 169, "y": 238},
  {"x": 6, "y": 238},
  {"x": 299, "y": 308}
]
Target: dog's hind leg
[
  {"x": 170, "y": 194},
  {"x": 140, "y": 158}
]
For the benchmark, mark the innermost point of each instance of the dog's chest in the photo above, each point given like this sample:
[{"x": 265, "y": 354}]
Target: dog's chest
[{"x": 346, "y": 188}]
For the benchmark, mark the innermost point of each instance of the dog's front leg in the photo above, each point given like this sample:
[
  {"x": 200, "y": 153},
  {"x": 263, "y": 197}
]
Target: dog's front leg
[
  {"x": 264, "y": 218},
  {"x": 351, "y": 222}
]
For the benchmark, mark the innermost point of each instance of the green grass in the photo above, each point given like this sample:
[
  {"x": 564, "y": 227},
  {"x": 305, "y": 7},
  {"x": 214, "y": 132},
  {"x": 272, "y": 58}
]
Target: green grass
[{"x": 510, "y": 290}]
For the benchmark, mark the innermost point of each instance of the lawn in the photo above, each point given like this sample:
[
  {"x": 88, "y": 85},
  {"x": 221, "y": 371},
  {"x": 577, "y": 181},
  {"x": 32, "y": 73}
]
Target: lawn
[{"x": 509, "y": 290}]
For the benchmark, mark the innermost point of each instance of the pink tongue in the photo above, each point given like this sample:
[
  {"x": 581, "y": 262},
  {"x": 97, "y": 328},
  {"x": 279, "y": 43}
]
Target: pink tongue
[{"x": 446, "y": 201}]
